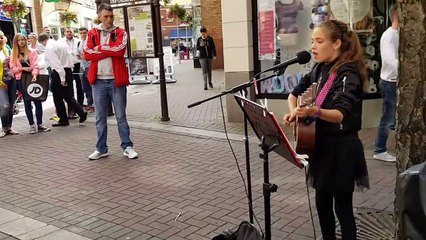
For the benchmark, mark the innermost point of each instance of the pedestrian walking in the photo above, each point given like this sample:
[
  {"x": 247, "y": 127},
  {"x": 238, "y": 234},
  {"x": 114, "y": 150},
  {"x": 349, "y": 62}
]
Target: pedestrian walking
[
  {"x": 60, "y": 62},
  {"x": 207, "y": 53},
  {"x": 71, "y": 43}
]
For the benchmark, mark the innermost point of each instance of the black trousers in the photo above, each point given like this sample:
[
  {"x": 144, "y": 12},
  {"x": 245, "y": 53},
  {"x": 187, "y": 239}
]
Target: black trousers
[
  {"x": 344, "y": 211},
  {"x": 61, "y": 93},
  {"x": 76, "y": 77}
]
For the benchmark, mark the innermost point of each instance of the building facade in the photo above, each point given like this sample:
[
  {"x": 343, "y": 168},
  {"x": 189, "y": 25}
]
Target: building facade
[
  {"x": 208, "y": 13},
  {"x": 86, "y": 10},
  {"x": 173, "y": 29}
]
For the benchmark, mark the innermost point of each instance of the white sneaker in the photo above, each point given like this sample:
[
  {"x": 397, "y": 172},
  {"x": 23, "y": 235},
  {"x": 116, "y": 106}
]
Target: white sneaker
[
  {"x": 96, "y": 155},
  {"x": 130, "y": 153},
  {"x": 33, "y": 129},
  {"x": 384, "y": 156},
  {"x": 42, "y": 128}
]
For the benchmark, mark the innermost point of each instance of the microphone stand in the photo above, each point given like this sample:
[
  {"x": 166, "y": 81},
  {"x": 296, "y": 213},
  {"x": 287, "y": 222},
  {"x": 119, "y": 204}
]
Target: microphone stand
[{"x": 242, "y": 88}]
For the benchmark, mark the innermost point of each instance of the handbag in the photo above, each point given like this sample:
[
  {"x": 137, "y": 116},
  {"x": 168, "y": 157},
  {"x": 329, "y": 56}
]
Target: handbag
[{"x": 35, "y": 91}]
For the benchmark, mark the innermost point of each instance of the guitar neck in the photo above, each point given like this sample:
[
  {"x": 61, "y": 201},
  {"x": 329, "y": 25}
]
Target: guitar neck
[{"x": 308, "y": 97}]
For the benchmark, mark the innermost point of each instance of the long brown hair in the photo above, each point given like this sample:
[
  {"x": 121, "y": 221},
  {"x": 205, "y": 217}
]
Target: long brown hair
[
  {"x": 350, "y": 49},
  {"x": 15, "y": 49}
]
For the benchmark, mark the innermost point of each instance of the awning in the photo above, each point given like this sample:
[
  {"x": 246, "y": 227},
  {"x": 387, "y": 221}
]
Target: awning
[
  {"x": 182, "y": 33},
  {"x": 3, "y": 17}
]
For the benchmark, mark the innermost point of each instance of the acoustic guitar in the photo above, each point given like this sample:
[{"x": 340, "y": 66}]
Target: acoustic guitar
[{"x": 304, "y": 129}]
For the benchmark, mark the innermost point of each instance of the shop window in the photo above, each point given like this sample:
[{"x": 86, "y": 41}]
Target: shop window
[
  {"x": 55, "y": 33},
  {"x": 285, "y": 28}
]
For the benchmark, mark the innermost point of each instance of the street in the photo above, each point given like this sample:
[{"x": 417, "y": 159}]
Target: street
[{"x": 185, "y": 184}]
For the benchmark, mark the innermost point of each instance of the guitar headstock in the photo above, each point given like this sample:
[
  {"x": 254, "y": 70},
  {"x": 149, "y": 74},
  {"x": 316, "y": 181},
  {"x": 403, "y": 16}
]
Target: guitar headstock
[{"x": 308, "y": 97}]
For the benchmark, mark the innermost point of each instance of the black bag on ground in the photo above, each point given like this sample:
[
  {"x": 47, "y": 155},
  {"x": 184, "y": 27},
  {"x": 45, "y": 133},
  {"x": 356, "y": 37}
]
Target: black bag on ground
[
  {"x": 411, "y": 202},
  {"x": 35, "y": 91},
  {"x": 246, "y": 231}
]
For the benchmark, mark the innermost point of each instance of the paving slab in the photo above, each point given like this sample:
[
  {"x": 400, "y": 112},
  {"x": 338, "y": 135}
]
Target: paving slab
[
  {"x": 63, "y": 235},
  {"x": 8, "y": 216},
  {"x": 39, "y": 232}
]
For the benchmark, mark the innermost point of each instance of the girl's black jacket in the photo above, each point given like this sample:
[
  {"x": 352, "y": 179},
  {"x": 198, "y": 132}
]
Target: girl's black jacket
[{"x": 345, "y": 95}]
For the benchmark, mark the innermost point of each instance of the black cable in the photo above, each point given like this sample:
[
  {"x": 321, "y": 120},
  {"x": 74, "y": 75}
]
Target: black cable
[
  {"x": 309, "y": 202},
  {"x": 238, "y": 165}
]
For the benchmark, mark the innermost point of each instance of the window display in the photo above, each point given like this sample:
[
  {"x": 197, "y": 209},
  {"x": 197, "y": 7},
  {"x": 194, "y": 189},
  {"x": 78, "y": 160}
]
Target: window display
[{"x": 293, "y": 23}]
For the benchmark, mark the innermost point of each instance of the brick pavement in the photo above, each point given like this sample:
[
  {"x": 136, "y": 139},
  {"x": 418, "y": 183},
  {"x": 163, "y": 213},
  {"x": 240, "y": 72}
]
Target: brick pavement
[{"x": 184, "y": 185}]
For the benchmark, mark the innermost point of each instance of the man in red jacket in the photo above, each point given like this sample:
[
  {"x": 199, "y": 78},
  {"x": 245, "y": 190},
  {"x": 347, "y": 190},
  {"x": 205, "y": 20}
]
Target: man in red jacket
[{"x": 109, "y": 77}]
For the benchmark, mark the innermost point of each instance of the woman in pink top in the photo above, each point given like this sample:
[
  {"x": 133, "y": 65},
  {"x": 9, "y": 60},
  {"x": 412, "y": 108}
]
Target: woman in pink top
[{"x": 24, "y": 61}]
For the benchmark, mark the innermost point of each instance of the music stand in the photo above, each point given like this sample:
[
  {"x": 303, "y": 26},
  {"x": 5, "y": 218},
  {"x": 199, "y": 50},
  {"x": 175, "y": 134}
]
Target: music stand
[{"x": 272, "y": 137}]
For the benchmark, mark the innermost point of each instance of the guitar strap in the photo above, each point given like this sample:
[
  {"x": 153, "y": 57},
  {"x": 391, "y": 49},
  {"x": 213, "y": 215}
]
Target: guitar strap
[{"x": 324, "y": 91}]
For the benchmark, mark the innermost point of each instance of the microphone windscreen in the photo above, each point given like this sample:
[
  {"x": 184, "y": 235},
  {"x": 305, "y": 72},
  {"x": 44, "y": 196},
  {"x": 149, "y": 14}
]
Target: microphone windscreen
[{"x": 303, "y": 57}]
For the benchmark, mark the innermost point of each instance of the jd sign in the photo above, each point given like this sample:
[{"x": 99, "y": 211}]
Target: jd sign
[{"x": 35, "y": 90}]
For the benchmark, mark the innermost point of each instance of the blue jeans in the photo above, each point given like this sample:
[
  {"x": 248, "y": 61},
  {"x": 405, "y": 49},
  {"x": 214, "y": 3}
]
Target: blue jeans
[
  {"x": 87, "y": 89},
  {"x": 103, "y": 92},
  {"x": 388, "y": 91},
  {"x": 28, "y": 106},
  {"x": 7, "y": 99}
]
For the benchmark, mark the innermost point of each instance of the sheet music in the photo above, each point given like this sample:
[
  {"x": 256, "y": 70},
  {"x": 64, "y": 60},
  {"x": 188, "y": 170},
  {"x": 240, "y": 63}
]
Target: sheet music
[{"x": 265, "y": 124}]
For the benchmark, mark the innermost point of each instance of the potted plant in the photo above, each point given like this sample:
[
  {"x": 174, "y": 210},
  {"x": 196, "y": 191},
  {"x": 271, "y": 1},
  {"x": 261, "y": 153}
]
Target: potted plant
[
  {"x": 16, "y": 11},
  {"x": 66, "y": 17}
]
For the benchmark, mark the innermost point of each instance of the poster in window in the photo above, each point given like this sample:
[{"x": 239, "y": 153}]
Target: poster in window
[
  {"x": 266, "y": 21},
  {"x": 141, "y": 31}
]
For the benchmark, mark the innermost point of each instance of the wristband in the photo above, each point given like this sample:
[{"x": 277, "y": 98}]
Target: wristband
[{"x": 318, "y": 113}]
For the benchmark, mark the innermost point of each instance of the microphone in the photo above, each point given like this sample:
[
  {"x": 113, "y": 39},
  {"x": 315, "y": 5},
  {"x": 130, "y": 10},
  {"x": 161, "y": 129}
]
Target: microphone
[{"x": 301, "y": 58}]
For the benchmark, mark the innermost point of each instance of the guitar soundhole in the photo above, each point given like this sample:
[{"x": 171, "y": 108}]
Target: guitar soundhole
[{"x": 307, "y": 120}]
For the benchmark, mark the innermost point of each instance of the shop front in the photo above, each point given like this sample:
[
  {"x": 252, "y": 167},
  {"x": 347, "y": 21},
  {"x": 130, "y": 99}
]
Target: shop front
[
  {"x": 279, "y": 29},
  {"x": 285, "y": 28}
]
